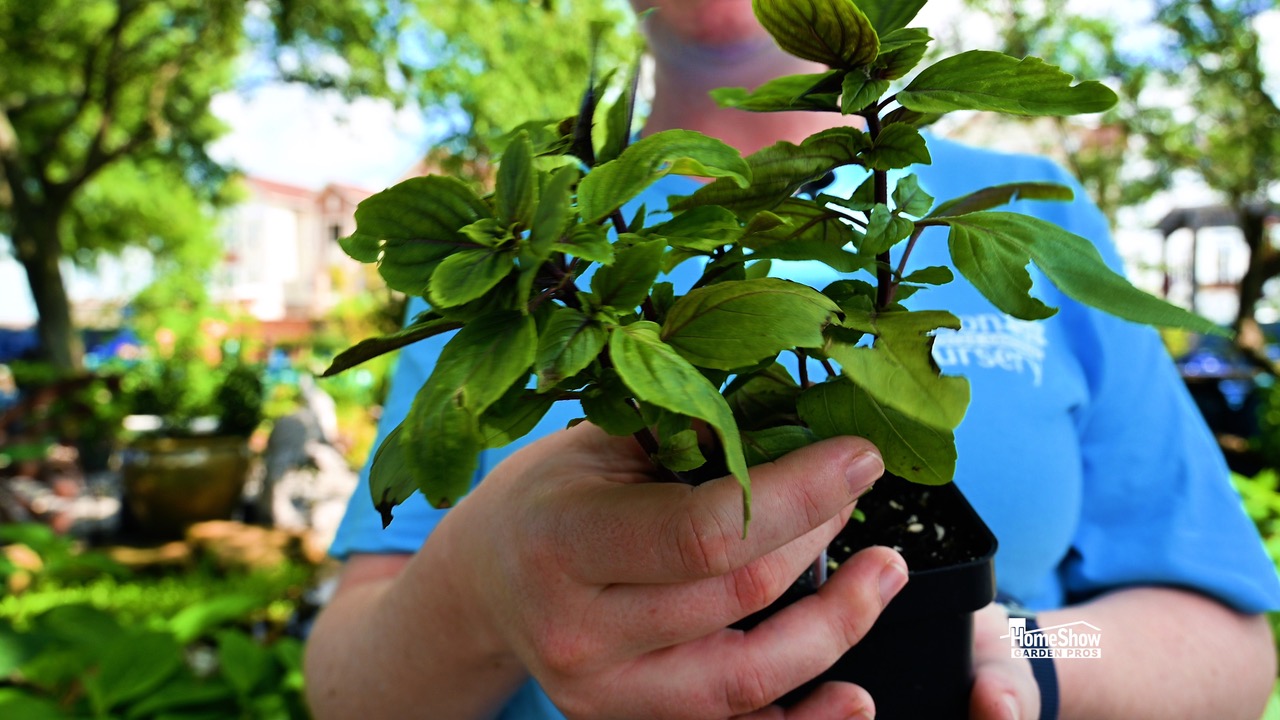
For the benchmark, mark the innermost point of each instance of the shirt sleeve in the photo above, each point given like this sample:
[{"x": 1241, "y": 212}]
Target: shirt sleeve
[{"x": 1158, "y": 504}]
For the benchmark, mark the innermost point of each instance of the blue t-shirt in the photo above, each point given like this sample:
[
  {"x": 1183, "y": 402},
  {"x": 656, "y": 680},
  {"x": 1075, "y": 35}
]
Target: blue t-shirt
[{"x": 1081, "y": 449}]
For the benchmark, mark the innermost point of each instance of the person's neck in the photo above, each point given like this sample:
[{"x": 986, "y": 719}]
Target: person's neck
[{"x": 682, "y": 101}]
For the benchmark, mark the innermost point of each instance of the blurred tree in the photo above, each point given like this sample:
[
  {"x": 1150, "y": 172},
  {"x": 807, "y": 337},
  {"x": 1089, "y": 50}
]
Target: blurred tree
[
  {"x": 105, "y": 118},
  {"x": 1197, "y": 101},
  {"x": 493, "y": 64},
  {"x": 1096, "y": 150},
  {"x": 1230, "y": 137}
]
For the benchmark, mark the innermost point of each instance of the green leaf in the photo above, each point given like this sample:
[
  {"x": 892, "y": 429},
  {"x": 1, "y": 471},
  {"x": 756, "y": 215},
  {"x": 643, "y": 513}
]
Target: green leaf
[
  {"x": 194, "y": 621},
  {"x": 779, "y": 170},
  {"x": 20, "y": 704},
  {"x": 852, "y": 295},
  {"x": 625, "y": 283},
  {"x": 371, "y": 348},
  {"x": 619, "y": 118},
  {"x": 884, "y": 230},
  {"x": 859, "y": 91},
  {"x": 663, "y": 295},
  {"x": 702, "y": 228},
  {"x": 901, "y": 115},
  {"x": 764, "y": 398},
  {"x": 832, "y": 32},
  {"x": 410, "y": 227},
  {"x": 758, "y": 270},
  {"x": 810, "y": 231},
  {"x": 735, "y": 324},
  {"x": 886, "y": 16},
  {"x": 589, "y": 242},
  {"x": 899, "y": 372},
  {"x": 15, "y": 649},
  {"x": 554, "y": 212},
  {"x": 467, "y": 275},
  {"x": 488, "y": 233},
  {"x": 933, "y": 275},
  {"x": 133, "y": 668},
  {"x": 656, "y": 374},
  {"x": 570, "y": 342},
  {"x": 245, "y": 664},
  {"x": 790, "y": 92},
  {"x": 997, "y": 195},
  {"x": 180, "y": 693},
  {"x": 762, "y": 446},
  {"x": 485, "y": 358},
  {"x": 442, "y": 432},
  {"x": 984, "y": 80},
  {"x": 911, "y": 450},
  {"x": 680, "y": 451},
  {"x": 513, "y": 416},
  {"x": 991, "y": 249},
  {"x": 391, "y": 477},
  {"x": 863, "y": 198},
  {"x": 900, "y": 52},
  {"x": 606, "y": 406},
  {"x": 897, "y": 146},
  {"x": 680, "y": 152},
  {"x": 910, "y": 199},
  {"x": 516, "y": 194}
]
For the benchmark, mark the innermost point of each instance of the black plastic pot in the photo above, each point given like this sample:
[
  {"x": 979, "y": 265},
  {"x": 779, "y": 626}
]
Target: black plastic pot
[{"x": 917, "y": 661}]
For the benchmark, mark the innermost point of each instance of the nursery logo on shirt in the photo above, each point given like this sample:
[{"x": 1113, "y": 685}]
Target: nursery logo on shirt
[
  {"x": 993, "y": 341},
  {"x": 1072, "y": 640}
]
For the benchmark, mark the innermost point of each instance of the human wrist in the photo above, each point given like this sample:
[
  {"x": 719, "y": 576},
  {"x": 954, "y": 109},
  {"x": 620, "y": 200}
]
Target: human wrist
[
  {"x": 454, "y": 574},
  {"x": 1043, "y": 669}
]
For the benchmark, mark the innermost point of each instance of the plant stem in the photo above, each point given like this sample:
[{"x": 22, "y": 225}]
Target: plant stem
[
  {"x": 885, "y": 285},
  {"x": 804, "y": 367},
  {"x": 619, "y": 222},
  {"x": 902, "y": 263},
  {"x": 649, "y": 311},
  {"x": 644, "y": 436},
  {"x": 826, "y": 365}
]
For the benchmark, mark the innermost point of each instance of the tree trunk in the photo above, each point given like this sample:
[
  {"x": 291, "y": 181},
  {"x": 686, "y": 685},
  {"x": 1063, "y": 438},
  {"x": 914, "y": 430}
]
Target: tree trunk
[
  {"x": 1251, "y": 226},
  {"x": 1249, "y": 337},
  {"x": 35, "y": 238}
]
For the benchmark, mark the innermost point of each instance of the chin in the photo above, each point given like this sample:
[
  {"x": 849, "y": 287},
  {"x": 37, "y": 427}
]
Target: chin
[{"x": 707, "y": 22}]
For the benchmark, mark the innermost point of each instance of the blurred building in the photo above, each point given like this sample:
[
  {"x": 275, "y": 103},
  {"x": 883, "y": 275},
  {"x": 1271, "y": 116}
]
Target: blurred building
[
  {"x": 1206, "y": 257},
  {"x": 282, "y": 263}
]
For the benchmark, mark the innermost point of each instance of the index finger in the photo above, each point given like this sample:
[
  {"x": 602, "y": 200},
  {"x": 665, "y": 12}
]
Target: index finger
[{"x": 619, "y": 532}]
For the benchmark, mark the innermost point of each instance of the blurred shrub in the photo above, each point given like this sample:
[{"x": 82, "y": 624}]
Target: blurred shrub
[
  {"x": 88, "y": 638},
  {"x": 1268, "y": 439}
]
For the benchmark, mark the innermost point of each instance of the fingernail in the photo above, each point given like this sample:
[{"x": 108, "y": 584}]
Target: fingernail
[
  {"x": 892, "y": 577},
  {"x": 862, "y": 471},
  {"x": 863, "y": 714},
  {"x": 1011, "y": 708}
]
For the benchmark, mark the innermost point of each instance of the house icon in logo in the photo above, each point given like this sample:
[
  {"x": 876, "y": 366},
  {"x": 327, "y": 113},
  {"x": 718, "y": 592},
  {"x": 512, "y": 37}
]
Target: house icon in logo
[{"x": 1018, "y": 626}]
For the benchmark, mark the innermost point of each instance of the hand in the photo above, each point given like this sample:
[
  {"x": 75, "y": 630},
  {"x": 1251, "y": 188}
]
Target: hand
[
  {"x": 1004, "y": 687},
  {"x": 615, "y": 591}
]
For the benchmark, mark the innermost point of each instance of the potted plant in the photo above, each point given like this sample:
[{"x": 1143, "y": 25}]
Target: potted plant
[
  {"x": 555, "y": 295},
  {"x": 189, "y": 455}
]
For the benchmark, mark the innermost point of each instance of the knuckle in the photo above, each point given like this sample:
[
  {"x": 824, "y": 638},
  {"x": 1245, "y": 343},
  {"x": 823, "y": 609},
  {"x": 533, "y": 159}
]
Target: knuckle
[
  {"x": 813, "y": 513},
  {"x": 564, "y": 654},
  {"x": 747, "y": 689},
  {"x": 701, "y": 544},
  {"x": 851, "y": 627},
  {"x": 755, "y": 585}
]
